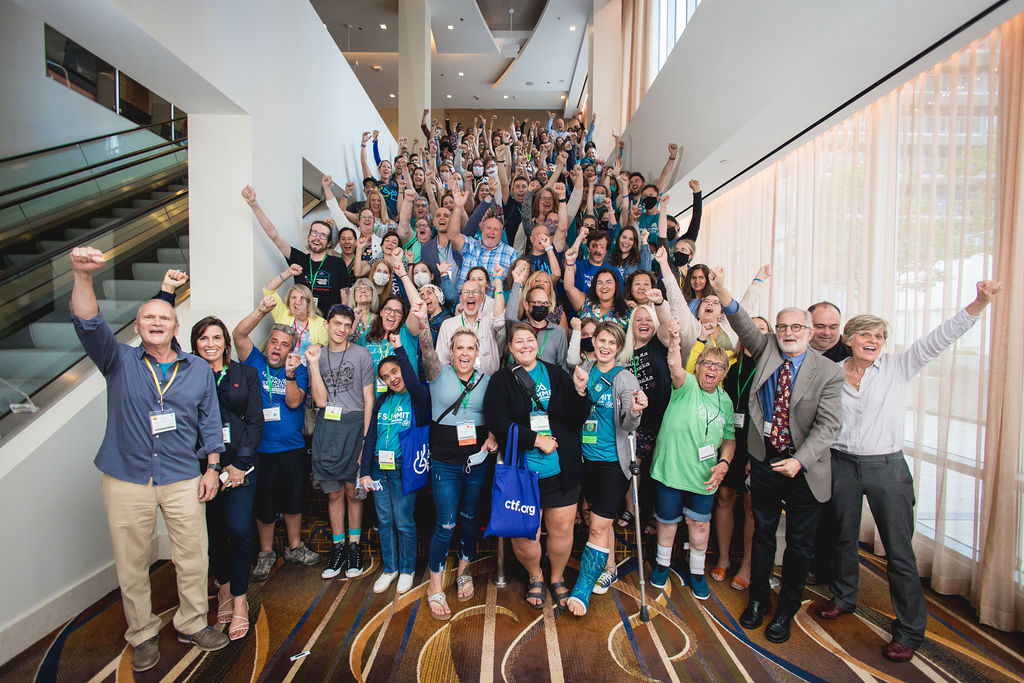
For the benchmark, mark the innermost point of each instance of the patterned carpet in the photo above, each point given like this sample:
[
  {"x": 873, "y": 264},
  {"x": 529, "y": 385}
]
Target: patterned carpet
[{"x": 352, "y": 634}]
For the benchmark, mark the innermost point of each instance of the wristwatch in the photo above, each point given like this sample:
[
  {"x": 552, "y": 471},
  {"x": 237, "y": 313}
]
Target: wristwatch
[{"x": 215, "y": 466}]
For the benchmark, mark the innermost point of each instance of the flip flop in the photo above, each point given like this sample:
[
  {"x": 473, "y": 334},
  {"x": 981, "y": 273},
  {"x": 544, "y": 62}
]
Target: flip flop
[
  {"x": 439, "y": 599},
  {"x": 460, "y": 582},
  {"x": 718, "y": 573},
  {"x": 625, "y": 519}
]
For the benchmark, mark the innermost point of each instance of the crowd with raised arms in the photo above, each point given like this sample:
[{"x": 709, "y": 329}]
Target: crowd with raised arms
[{"x": 509, "y": 290}]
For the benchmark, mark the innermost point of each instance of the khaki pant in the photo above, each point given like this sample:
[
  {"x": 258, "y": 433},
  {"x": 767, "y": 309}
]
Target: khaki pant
[{"x": 131, "y": 515}]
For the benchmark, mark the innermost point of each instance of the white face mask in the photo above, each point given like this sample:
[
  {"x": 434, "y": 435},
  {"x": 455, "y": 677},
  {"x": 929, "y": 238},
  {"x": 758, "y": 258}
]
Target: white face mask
[
  {"x": 421, "y": 279},
  {"x": 478, "y": 171},
  {"x": 380, "y": 278}
]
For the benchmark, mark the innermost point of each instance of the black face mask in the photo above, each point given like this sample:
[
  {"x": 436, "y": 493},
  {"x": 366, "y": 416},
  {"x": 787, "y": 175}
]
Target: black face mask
[
  {"x": 680, "y": 258},
  {"x": 538, "y": 313},
  {"x": 649, "y": 202},
  {"x": 587, "y": 344},
  {"x": 671, "y": 233}
]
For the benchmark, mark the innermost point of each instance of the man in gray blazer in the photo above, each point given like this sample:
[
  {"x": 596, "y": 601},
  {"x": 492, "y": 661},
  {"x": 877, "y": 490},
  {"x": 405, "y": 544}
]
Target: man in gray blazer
[{"x": 793, "y": 418}]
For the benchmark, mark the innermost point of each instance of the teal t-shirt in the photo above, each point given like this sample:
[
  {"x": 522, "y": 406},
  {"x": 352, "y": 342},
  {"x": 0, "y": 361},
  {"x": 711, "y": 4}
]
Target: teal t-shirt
[
  {"x": 383, "y": 348},
  {"x": 599, "y": 430},
  {"x": 544, "y": 464},
  {"x": 395, "y": 417}
]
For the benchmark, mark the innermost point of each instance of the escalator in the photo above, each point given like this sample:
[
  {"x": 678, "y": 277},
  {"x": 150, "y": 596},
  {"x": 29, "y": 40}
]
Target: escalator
[{"x": 126, "y": 194}]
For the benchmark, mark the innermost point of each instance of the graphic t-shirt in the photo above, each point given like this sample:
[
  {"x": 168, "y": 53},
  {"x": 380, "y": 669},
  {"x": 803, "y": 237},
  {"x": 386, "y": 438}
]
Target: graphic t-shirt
[
  {"x": 284, "y": 434},
  {"x": 544, "y": 464}
]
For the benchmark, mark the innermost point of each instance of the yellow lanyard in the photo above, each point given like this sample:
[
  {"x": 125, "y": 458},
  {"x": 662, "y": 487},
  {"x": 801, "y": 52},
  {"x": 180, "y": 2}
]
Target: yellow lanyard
[{"x": 161, "y": 391}]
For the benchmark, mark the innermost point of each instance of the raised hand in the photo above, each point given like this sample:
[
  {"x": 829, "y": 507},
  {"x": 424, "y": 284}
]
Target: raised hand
[
  {"x": 375, "y": 134},
  {"x": 764, "y": 272},
  {"x": 579, "y": 379},
  {"x": 327, "y": 182},
  {"x": 673, "y": 330},
  {"x": 644, "y": 234},
  {"x": 654, "y": 296},
  {"x": 661, "y": 256},
  {"x": 987, "y": 290},
  {"x": 312, "y": 355},
  {"x": 366, "y": 136},
  {"x": 673, "y": 149},
  {"x": 350, "y": 187},
  {"x": 419, "y": 310},
  {"x": 575, "y": 324},
  {"x": 266, "y": 304},
  {"x": 86, "y": 259},
  {"x": 174, "y": 279},
  {"x": 570, "y": 257},
  {"x": 249, "y": 195},
  {"x": 395, "y": 340},
  {"x": 695, "y": 186},
  {"x": 409, "y": 194},
  {"x": 717, "y": 273}
]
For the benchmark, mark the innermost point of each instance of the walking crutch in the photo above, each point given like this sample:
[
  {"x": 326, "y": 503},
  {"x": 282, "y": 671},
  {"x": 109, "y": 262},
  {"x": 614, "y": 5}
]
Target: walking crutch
[{"x": 634, "y": 470}]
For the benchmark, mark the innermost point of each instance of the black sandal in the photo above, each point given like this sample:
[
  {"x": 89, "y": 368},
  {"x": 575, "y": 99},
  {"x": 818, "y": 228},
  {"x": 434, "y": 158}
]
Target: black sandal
[
  {"x": 560, "y": 593},
  {"x": 536, "y": 591},
  {"x": 626, "y": 519}
]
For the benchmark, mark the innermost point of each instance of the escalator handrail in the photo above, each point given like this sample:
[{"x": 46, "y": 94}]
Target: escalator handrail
[
  {"x": 98, "y": 164},
  {"x": 65, "y": 145},
  {"x": 48, "y": 255},
  {"x": 101, "y": 174}
]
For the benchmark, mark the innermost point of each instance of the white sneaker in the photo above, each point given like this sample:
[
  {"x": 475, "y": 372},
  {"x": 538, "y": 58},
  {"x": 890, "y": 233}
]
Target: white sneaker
[
  {"x": 404, "y": 583},
  {"x": 383, "y": 582}
]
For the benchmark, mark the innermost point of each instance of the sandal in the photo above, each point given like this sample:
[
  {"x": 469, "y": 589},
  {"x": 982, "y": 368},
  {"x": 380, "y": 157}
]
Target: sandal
[
  {"x": 625, "y": 519},
  {"x": 536, "y": 591},
  {"x": 560, "y": 593},
  {"x": 225, "y": 610},
  {"x": 739, "y": 583},
  {"x": 439, "y": 599},
  {"x": 238, "y": 631},
  {"x": 461, "y": 581},
  {"x": 718, "y": 573},
  {"x": 651, "y": 528}
]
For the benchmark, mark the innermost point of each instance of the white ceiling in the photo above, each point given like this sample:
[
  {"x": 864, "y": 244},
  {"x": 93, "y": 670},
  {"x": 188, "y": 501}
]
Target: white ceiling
[{"x": 531, "y": 66}]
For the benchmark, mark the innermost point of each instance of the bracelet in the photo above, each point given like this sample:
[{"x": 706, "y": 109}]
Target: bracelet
[
  {"x": 671, "y": 158},
  {"x": 289, "y": 378},
  {"x": 549, "y": 248},
  {"x": 757, "y": 279}
]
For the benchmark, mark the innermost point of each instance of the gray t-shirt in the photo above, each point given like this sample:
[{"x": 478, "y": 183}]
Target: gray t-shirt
[{"x": 345, "y": 374}]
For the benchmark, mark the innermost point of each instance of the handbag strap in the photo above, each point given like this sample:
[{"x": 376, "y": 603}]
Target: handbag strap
[
  {"x": 528, "y": 385},
  {"x": 466, "y": 389},
  {"x": 513, "y": 445}
]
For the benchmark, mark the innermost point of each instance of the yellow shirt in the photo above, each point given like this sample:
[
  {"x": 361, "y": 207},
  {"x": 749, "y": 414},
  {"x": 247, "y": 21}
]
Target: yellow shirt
[
  {"x": 317, "y": 330},
  {"x": 698, "y": 346}
]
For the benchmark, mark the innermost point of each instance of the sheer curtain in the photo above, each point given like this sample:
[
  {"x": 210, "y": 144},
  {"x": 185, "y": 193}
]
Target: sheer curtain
[
  {"x": 898, "y": 211},
  {"x": 638, "y": 54}
]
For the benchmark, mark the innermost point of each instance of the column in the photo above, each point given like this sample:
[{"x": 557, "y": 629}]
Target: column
[
  {"x": 413, "y": 65},
  {"x": 605, "y": 70}
]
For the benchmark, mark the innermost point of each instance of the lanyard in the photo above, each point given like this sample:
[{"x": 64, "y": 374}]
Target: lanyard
[
  {"x": 222, "y": 375},
  {"x": 303, "y": 330},
  {"x": 384, "y": 343},
  {"x": 739, "y": 375},
  {"x": 707, "y": 425},
  {"x": 446, "y": 256},
  {"x": 467, "y": 388},
  {"x": 270, "y": 384},
  {"x": 544, "y": 343},
  {"x": 592, "y": 386},
  {"x": 390, "y": 418},
  {"x": 341, "y": 363},
  {"x": 465, "y": 324},
  {"x": 314, "y": 273},
  {"x": 161, "y": 391}
]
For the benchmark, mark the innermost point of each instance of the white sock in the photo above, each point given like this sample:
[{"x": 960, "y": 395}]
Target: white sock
[
  {"x": 598, "y": 548},
  {"x": 664, "y": 556},
  {"x": 697, "y": 560}
]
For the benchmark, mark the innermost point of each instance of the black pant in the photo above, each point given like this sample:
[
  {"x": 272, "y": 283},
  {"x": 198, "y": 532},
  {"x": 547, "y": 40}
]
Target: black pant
[
  {"x": 229, "y": 525},
  {"x": 769, "y": 493},
  {"x": 823, "y": 562}
]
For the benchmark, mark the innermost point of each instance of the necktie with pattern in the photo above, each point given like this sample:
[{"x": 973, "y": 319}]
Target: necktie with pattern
[{"x": 780, "y": 420}]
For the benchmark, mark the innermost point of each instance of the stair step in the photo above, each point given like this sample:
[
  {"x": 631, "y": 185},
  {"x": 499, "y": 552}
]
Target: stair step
[
  {"x": 159, "y": 194},
  {"x": 140, "y": 203},
  {"x": 176, "y": 188},
  {"x": 100, "y": 222},
  {"x": 132, "y": 290},
  {"x": 114, "y": 311},
  {"x": 46, "y": 245},
  {"x": 75, "y": 233},
  {"x": 118, "y": 212},
  {"x": 54, "y": 335},
  {"x": 171, "y": 255},
  {"x": 154, "y": 271}
]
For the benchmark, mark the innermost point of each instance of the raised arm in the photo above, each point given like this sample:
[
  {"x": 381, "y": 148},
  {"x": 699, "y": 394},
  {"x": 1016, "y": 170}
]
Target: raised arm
[
  {"x": 367, "y": 173},
  {"x": 676, "y": 366},
  {"x": 240, "y": 335},
  {"x": 249, "y": 195},
  {"x": 317, "y": 388},
  {"x": 431, "y": 363},
  {"x": 454, "y": 227},
  {"x": 405, "y": 232},
  {"x": 689, "y": 327},
  {"x": 503, "y": 157},
  {"x": 670, "y": 163},
  {"x": 698, "y": 204},
  {"x": 576, "y": 297}
]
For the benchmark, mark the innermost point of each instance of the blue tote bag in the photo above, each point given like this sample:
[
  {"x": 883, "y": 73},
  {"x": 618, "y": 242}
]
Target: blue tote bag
[
  {"x": 415, "y": 443},
  {"x": 515, "y": 495}
]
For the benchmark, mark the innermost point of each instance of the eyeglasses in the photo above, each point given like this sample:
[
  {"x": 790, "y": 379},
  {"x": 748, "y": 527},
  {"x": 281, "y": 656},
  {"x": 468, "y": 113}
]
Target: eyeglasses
[
  {"x": 321, "y": 235},
  {"x": 713, "y": 364},
  {"x": 796, "y": 328},
  {"x": 393, "y": 311}
]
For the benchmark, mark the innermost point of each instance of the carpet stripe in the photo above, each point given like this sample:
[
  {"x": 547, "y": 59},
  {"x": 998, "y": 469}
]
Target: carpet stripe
[
  {"x": 487, "y": 646},
  {"x": 295, "y": 630},
  {"x": 551, "y": 642},
  {"x": 348, "y": 636},
  {"x": 632, "y": 636},
  {"x": 380, "y": 640},
  {"x": 660, "y": 647},
  {"x": 297, "y": 664}
]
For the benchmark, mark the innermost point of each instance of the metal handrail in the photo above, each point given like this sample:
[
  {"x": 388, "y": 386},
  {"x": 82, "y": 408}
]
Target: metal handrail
[
  {"x": 45, "y": 257},
  {"x": 45, "y": 150},
  {"x": 98, "y": 164},
  {"x": 109, "y": 171}
]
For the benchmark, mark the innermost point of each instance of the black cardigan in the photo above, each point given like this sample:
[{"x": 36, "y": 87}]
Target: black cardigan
[
  {"x": 507, "y": 403},
  {"x": 241, "y": 407}
]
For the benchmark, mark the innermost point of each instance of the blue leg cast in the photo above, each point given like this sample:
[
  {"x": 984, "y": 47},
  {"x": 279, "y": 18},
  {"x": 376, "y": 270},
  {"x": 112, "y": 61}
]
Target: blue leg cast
[{"x": 591, "y": 565}]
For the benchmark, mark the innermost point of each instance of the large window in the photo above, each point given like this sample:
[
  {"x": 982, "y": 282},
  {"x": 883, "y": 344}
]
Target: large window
[{"x": 670, "y": 17}]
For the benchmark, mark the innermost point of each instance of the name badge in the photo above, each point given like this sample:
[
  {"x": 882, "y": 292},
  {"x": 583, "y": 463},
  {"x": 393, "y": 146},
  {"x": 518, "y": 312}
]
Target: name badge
[
  {"x": 540, "y": 424},
  {"x": 590, "y": 432},
  {"x": 272, "y": 414},
  {"x": 767, "y": 428},
  {"x": 162, "y": 421},
  {"x": 332, "y": 413},
  {"x": 706, "y": 452},
  {"x": 738, "y": 420},
  {"x": 466, "y": 433},
  {"x": 386, "y": 460},
  {"x": 225, "y": 433},
  {"x": 381, "y": 387},
  {"x": 316, "y": 301}
]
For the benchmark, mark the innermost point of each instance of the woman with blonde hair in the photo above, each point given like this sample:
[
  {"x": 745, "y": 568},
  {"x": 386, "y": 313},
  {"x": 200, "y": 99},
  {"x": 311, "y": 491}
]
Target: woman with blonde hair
[{"x": 300, "y": 312}]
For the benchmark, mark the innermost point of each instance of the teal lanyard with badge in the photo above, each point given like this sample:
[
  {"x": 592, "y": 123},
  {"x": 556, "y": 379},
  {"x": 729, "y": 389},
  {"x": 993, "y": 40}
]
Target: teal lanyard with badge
[{"x": 590, "y": 426}]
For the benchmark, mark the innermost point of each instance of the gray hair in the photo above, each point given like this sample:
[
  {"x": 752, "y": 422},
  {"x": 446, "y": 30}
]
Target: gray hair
[
  {"x": 366, "y": 282},
  {"x": 863, "y": 323},
  {"x": 287, "y": 329},
  {"x": 795, "y": 309}
]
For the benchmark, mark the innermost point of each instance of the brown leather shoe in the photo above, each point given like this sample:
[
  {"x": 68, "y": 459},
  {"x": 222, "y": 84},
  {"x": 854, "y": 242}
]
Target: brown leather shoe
[
  {"x": 831, "y": 610},
  {"x": 899, "y": 652}
]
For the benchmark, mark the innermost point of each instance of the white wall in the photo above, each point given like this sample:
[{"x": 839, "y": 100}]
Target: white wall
[
  {"x": 265, "y": 86},
  {"x": 747, "y": 75}
]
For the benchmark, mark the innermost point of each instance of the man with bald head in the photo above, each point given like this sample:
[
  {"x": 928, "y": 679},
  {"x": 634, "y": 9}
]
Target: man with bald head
[{"x": 162, "y": 419}]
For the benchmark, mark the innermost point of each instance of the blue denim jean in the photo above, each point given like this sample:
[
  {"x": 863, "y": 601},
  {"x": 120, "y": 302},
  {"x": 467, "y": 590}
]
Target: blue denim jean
[
  {"x": 456, "y": 495},
  {"x": 395, "y": 518}
]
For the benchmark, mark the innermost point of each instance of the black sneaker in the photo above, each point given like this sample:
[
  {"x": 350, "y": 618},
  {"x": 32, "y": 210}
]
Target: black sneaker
[
  {"x": 355, "y": 560},
  {"x": 337, "y": 562}
]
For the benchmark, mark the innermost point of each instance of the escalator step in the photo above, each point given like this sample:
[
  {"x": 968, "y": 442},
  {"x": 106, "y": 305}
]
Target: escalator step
[
  {"x": 100, "y": 222},
  {"x": 154, "y": 271},
  {"x": 176, "y": 188},
  {"x": 140, "y": 203},
  {"x": 74, "y": 233},
  {"x": 171, "y": 255},
  {"x": 159, "y": 194},
  {"x": 118, "y": 212},
  {"x": 51, "y": 244},
  {"x": 134, "y": 290},
  {"x": 54, "y": 335}
]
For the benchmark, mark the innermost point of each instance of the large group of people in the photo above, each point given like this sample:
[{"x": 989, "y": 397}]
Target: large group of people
[{"x": 506, "y": 290}]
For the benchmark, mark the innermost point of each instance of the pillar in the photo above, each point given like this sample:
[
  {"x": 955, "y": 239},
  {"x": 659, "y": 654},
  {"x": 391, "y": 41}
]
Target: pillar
[{"x": 413, "y": 66}]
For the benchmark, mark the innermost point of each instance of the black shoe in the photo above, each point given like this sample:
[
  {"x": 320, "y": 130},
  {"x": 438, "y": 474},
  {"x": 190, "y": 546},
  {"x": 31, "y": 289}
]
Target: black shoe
[
  {"x": 336, "y": 562},
  {"x": 754, "y": 614},
  {"x": 355, "y": 560},
  {"x": 778, "y": 628}
]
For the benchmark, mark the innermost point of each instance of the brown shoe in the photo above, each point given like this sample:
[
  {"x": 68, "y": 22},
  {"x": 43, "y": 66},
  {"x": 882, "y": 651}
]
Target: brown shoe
[
  {"x": 832, "y": 611},
  {"x": 146, "y": 654},
  {"x": 899, "y": 652}
]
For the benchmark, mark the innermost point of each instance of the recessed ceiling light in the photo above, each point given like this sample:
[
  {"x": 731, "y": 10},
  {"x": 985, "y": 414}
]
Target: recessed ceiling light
[
  {"x": 461, "y": 74},
  {"x": 572, "y": 28},
  {"x": 376, "y": 67},
  {"x": 383, "y": 27},
  {"x": 563, "y": 97},
  {"x": 504, "y": 97},
  {"x": 450, "y": 27},
  {"x": 392, "y": 95},
  {"x": 449, "y": 96}
]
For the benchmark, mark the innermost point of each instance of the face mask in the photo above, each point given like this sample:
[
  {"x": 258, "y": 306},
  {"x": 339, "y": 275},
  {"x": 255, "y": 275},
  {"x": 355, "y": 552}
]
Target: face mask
[
  {"x": 587, "y": 345},
  {"x": 649, "y": 202},
  {"x": 680, "y": 258},
  {"x": 460, "y": 183},
  {"x": 478, "y": 171},
  {"x": 598, "y": 168},
  {"x": 380, "y": 278},
  {"x": 420, "y": 279},
  {"x": 598, "y": 199},
  {"x": 538, "y": 313}
]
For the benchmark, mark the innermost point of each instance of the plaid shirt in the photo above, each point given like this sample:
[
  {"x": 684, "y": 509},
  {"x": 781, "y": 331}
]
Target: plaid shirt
[{"x": 474, "y": 254}]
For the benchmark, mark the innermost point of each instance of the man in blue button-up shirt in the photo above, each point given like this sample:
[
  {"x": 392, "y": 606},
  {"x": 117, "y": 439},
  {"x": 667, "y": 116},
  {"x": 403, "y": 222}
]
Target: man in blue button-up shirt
[{"x": 162, "y": 417}]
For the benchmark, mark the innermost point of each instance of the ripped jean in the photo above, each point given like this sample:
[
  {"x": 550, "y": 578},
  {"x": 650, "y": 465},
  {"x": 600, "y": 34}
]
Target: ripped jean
[{"x": 456, "y": 494}]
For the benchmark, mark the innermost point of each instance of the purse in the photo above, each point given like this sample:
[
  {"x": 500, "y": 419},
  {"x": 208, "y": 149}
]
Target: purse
[{"x": 515, "y": 495}]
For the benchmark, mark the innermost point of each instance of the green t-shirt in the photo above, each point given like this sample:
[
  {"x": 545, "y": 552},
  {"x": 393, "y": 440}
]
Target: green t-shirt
[
  {"x": 544, "y": 464},
  {"x": 694, "y": 418}
]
